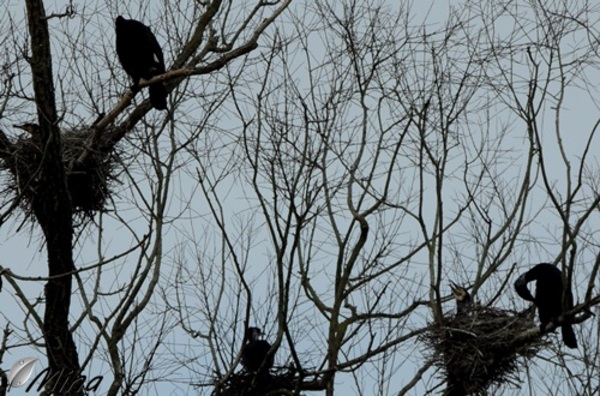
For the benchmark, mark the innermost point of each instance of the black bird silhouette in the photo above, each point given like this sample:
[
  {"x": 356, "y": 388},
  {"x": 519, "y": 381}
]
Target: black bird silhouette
[
  {"x": 141, "y": 57},
  {"x": 255, "y": 353},
  {"x": 464, "y": 303},
  {"x": 548, "y": 297}
]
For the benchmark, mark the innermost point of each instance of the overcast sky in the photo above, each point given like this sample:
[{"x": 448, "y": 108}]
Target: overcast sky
[{"x": 22, "y": 250}]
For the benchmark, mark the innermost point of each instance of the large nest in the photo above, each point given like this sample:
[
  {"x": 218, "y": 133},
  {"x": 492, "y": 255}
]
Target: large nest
[
  {"x": 279, "y": 381},
  {"x": 88, "y": 180},
  {"x": 481, "y": 349},
  {"x": 246, "y": 383}
]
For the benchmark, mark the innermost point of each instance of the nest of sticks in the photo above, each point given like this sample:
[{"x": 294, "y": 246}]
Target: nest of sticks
[
  {"x": 278, "y": 381},
  {"x": 480, "y": 350},
  {"x": 88, "y": 180}
]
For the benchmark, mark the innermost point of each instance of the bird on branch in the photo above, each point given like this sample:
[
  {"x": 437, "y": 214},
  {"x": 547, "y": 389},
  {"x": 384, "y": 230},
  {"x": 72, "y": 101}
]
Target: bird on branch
[
  {"x": 548, "y": 298},
  {"x": 141, "y": 57}
]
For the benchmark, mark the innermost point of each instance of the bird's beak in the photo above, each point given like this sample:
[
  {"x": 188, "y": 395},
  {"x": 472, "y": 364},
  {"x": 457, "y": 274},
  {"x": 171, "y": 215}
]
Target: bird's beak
[{"x": 454, "y": 287}]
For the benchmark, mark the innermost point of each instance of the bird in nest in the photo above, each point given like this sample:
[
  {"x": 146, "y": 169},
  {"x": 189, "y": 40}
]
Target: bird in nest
[
  {"x": 256, "y": 355},
  {"x": 548, "y": 298},
  {"x": 464, "y": 302}
]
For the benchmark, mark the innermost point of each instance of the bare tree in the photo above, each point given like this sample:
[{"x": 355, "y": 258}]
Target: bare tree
[
  {"x": 384, "y": 158},
  {"x": 61, "y": 170},
  {"x": 324, "y": 171}
]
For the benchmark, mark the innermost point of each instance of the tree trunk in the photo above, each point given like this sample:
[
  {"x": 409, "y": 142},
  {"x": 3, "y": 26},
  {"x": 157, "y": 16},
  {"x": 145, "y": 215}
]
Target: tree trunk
[{"x": 53, "y": 210}]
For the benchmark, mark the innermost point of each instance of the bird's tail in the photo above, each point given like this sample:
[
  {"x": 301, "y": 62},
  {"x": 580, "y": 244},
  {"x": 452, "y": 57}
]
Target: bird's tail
[
  {"x": 568, "y": 335},
  {"x": 158, "y": 96}
]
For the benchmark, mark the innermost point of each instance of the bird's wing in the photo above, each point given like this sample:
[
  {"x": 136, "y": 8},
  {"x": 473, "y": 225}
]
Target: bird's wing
[{"x": 157, "y": 54}]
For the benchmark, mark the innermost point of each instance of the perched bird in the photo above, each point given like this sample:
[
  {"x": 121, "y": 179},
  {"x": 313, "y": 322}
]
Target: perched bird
[
  {"x": 255, "y": 352},
  {"x": 548, "y": 297},
  {"x": 141, "y": 57},
  {"x": 464, "y": 303}
]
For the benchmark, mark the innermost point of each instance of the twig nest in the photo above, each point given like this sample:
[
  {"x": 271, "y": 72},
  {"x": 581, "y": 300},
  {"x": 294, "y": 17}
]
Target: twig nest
[
  {"x": 481, "y": 348},
  {"x": 87, "y": 181},
  {"x": 279, "y": 381}
]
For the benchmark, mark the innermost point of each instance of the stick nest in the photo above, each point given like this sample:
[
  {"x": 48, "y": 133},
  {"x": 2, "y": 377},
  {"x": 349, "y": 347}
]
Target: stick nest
[
  {"x": 88, "y": 181},
  {"x": 279, "y": 381},
  {"x": 481, "y": 349}
]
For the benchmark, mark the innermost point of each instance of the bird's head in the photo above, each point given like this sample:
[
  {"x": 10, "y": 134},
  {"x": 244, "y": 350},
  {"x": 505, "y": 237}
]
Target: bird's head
[
  {"x": 460, "y": 293},
  {"x": 521, "y": 287},
  {"x": 253, "y": 334},
  {"x": 29, "y": 127}
]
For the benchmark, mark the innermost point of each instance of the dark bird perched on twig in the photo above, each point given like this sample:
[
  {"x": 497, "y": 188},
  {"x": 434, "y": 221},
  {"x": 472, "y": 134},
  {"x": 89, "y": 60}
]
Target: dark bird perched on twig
[
  {"x": 464, "y": 302},
  {"x": 548, "y": 298},
  {"x": 255, "y": 353},
  {"x": 141, "y": 57}
]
